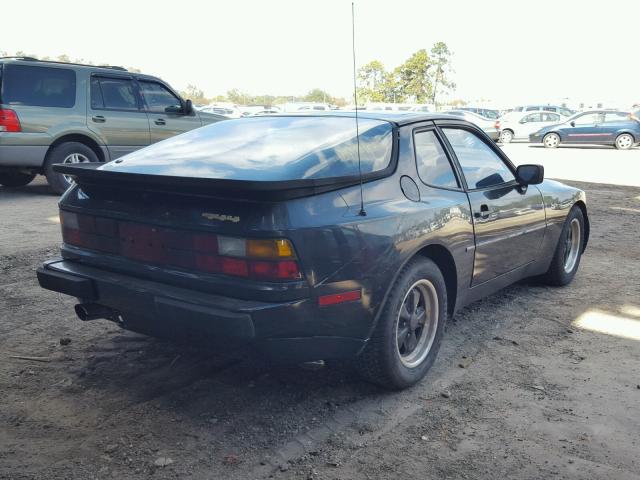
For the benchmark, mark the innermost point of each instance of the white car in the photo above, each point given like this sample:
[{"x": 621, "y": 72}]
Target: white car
[
  {"x": 229, "y": 112},
  {"x": 519, "y": 125}
]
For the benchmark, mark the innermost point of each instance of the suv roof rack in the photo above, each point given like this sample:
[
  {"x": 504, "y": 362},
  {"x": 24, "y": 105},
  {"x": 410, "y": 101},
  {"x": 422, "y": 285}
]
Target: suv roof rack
[{"x": 32, "y": 59}]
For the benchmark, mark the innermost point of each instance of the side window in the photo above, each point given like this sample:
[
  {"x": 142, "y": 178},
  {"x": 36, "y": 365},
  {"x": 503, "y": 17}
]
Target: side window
[
  {"x": 159, "y": 98},
  {"x": 481, "y": 166},
  {"x": 433, "y": 165},
  {"x": 115, "y": 93},
  {"x": 612, "y": 117},
  {"x": 532, "y": 108},
  {"x": 588, "y": 119},
  {"x": 39, "y": 86},
  {"x": 550, "y": 117},
  {"x": 534, "y": 117}
]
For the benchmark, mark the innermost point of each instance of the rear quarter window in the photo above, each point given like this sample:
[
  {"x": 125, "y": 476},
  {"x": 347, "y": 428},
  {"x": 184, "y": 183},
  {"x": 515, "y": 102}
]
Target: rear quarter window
[{"x": 38, "y": 86}]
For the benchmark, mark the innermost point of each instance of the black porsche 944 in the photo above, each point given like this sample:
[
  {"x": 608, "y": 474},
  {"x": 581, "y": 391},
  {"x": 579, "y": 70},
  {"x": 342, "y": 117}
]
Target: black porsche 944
[{"x": 312, "y": 237}]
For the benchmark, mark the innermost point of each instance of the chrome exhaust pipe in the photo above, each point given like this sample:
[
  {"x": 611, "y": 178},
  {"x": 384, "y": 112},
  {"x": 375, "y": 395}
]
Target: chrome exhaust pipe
[{"x": 94, "y": 311}]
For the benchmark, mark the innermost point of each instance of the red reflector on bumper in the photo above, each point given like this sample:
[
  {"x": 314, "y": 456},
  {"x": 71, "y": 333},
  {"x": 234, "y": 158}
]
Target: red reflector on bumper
[{"x": 326, "y": 300}]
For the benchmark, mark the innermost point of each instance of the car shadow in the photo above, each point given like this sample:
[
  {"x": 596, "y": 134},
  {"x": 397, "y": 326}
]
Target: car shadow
[{"x": 38, "y": 187}]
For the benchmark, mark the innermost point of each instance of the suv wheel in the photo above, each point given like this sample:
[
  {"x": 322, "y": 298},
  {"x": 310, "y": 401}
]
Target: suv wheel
[
  {"x": 68, "y": 152},
  {"x": 16, "y": 179},
  {"x": 407, "y": 336}
]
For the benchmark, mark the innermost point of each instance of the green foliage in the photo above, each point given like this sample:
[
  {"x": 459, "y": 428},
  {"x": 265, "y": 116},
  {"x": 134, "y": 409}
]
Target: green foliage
[{"x": 419, "y": 79}]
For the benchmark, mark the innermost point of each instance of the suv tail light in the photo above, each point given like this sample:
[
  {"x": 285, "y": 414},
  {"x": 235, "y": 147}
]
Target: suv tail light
[
  {"x": 271, "y": 259},
  {"x": 9, "y": 121},
  {"x": 497, "y": 125}
]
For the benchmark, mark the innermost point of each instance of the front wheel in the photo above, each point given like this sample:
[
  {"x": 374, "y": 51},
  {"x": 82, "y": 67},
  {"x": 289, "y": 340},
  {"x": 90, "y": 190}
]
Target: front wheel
[
  {"x": 551, "y": 140},
  {"x": 506, "y": 136},
  {"x": 566, "y": 258},
  {"x": 16, "y": 179},
  {"x": 407, "y": 336},
  {"x": 624, "y": 141}
]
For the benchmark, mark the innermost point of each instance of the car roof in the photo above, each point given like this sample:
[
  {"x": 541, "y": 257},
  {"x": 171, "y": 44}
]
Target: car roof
[
  {"x": 101, "y": 68},
  {"x": 397, "y": 118}
]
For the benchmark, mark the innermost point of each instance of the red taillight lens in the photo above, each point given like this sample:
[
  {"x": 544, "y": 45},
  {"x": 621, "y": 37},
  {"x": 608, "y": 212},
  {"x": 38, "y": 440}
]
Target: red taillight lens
[
  {"x": 326, "y": 300},
  {"x": 497, "y": 125},
  {"x": 264, "y": 259},
  {"x": 9, "y": 121}
]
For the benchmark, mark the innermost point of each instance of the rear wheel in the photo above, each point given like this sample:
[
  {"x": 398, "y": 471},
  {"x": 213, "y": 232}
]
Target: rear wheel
[
  {"x": 68, "y": 152},
  {"x": 407, "y": 336},
  {"x": 551, "y": 140},
  {"x": 624, "y": 141},
  {"x": 16, "y": 179},
  {"x": 566, "y": 258},
  {"x": 506, "y": 136}
]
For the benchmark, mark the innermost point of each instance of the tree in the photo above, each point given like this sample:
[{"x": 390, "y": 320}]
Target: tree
[
  {"x": 441, "y": 68},
  {"x": 317, "y": 95},
  {"x": 413, "y": 77}
]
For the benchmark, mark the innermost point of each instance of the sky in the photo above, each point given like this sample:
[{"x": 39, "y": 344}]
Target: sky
[{"x": 506, "y": 52}]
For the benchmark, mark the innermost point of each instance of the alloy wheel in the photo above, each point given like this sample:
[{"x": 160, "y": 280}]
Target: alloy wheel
[
  {"x": 572, "y": 245},
  {"x": 74, "y": 158},
  {"x": 417, "y": 323}
]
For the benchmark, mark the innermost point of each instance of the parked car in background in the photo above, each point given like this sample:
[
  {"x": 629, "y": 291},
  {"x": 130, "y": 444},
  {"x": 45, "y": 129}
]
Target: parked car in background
[
  {"x": 266, "y": 111},
  {"x": 53, "y": 112},
  {"x": 564, "y": 111},
  {"x": 485, "y": 112},
  {"x": 602, "y": 127},
  {"x": 490, "y": 126},
  {"x": 272, "y": 232},
  {"x": 519, "y": 125},
  {"x": 225, "y": 111}
]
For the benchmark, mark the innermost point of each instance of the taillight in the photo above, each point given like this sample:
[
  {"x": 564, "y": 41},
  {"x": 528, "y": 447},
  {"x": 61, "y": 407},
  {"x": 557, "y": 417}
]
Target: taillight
[
  {"x": 497, "y": 125},
  {"x": 9, "y": 121},
  {"x": 259, "y": 259}
]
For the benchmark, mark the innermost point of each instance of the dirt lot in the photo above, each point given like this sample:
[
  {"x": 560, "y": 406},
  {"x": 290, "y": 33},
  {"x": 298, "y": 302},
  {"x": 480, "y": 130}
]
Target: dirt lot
[{"x": 522, "y": 388}]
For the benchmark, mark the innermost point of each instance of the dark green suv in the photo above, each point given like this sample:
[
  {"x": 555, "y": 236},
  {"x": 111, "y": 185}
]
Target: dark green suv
[{"x": 52, "y": 112}]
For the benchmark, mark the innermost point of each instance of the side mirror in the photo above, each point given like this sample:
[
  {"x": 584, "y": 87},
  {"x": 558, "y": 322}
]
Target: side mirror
[
  {"x": 530, "y": 174},
  {"x": 188, "y": 107},
  {"x": 175, "y": 109},
  {"x": 573, "y": 124}
]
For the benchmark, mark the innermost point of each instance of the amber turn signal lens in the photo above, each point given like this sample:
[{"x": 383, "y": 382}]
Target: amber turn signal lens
[{"x": 280, "y": 248}]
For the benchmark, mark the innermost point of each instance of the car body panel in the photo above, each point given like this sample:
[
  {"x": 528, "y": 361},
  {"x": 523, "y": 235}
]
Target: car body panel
[
  {"x": 338, "y": 248},
  {"x": 113, "y": 132},
  {"x": 523, "y": 124},
  {"x": 599, "y": 131}
]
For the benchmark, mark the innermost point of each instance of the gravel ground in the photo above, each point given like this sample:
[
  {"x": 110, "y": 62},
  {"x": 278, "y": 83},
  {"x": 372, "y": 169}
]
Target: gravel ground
[{"x": 519, "y": 390}]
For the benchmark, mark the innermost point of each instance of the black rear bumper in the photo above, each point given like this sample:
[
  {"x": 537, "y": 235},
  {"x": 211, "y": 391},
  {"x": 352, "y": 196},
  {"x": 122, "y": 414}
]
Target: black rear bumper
[{"x": 169, "y": 311}]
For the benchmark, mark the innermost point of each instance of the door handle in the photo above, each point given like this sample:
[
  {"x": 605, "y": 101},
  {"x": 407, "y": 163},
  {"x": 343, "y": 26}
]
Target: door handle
[
  {"x": 160, "y": 121},
  {"x": 483, "y": 213},
  {"x": 99, "y": 119}
]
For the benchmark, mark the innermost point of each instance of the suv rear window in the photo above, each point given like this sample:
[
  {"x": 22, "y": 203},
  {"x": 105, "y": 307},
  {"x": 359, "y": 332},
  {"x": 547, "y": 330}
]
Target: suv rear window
[
  {"x": 269, "y": 148},
  {"x": 39, "y": 86}
]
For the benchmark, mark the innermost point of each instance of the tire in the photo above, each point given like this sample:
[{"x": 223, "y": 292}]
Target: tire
[
  {"x": 385, "y": 360},
  {"x": 506, "y": 136},
  {"x": 624, "y": 141},
  {"x": 16, "y": 179},
  {"x": 566, "y": 258},
  {"x": 551, "y": 140},
  {"x": 68, "y": 152}
]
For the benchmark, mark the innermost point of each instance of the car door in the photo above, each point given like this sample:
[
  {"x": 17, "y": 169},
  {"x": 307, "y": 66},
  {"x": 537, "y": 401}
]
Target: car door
[
  {"x": 165, "y": 111},
  {"x": 613, "y": 123},
  {"x": 509, "y": 220},
  {"x": 586, "y": 128},
  {"x": 529, "y": 124},
  {"x": 115, "y": 114}
]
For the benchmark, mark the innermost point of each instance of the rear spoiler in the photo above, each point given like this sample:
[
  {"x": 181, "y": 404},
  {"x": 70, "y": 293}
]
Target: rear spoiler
[{"x": 89, "y": 175}]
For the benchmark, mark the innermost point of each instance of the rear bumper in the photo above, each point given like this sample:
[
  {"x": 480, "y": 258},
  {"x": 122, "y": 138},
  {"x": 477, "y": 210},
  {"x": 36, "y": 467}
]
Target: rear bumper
[
  {"x": 289, "y": 331},
  {"x": 22, "y": 156}
]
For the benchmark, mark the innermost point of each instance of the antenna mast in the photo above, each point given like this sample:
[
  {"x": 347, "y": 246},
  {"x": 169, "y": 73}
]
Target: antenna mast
[{"x": 362, "y": 212}]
